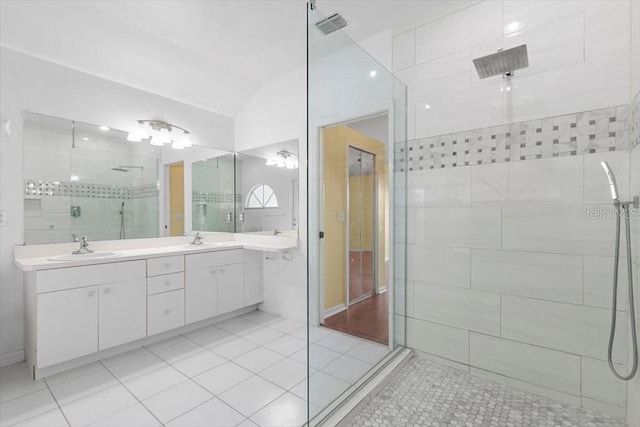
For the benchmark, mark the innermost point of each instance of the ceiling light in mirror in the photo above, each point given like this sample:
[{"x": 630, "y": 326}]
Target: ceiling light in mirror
[
  {"x": 513, "y": 28},
  {"x": 284, "y": 159},
  {"x": 104, "y": 128}
]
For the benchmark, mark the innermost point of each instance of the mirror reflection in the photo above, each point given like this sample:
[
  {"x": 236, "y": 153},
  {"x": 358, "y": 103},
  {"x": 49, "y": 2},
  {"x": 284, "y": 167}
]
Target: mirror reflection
[
  {"x": 267, "y": 189},
  {"x": 213, "y": 194},
  {"x": 88, "y": 180}
]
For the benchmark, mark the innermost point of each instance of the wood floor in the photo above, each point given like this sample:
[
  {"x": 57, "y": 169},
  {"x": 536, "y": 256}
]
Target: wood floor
[{"x": 367, "y": 319}]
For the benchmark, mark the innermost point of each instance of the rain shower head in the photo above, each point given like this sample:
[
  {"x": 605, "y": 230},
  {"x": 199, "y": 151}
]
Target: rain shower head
[
  {"x": 613, "y": 187},
  {"x": 502, "y": 62}
]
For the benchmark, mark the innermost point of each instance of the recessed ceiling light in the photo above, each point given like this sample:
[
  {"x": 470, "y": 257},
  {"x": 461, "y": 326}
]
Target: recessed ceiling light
[
  {"x": 104, "y": 128},
  {"x": 513, "y": 27},
  {"x": 427, "y": 106},
  {"x": 373, "y": 73},
  {"x": 84, "y": 138},
  {"x": 74, "y": 178}
]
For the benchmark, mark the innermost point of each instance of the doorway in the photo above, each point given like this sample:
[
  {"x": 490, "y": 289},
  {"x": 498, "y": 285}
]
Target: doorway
[
  {"x": 356, "y": 228},
  {"x": 176, "y": 199}
]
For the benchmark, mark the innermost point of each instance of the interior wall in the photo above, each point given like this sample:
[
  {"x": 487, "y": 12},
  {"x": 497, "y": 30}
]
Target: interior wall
[
  {"x": 29, "y": 84},
  {"x": 510, "y": 223},
  {"x": 336, "y": 142},
  {"x": 633, "y": 391},
  {"x": 277, "y": 112}
]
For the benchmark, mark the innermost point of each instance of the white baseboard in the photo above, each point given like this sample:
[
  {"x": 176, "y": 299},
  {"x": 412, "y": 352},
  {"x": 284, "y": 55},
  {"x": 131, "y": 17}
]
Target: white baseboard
[
  {"x": 11, "y": 358},
  {"x": 334, "y": 310}
]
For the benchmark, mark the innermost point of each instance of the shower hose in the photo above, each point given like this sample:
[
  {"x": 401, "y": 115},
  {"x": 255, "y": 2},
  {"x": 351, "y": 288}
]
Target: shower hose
[{"x": 619, "y": 208}]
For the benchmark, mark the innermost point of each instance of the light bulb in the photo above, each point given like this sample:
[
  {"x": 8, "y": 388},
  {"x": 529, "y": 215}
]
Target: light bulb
[
  {"x": 177, "y": 145},
  {"x": 186, "y": 140},
  {"x": 134, "y": 137},
  {"x": 164, "y": 136},
  {"x": 155, "y": 140}
]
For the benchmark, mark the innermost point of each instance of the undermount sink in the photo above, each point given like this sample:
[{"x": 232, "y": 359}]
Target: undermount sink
[{"x": 76, "y": 257}]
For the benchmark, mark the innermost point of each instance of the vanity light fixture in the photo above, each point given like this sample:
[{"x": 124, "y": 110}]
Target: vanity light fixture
[
  {"x": 284, "y": 159},
  {"x": 160, "y": 133}
]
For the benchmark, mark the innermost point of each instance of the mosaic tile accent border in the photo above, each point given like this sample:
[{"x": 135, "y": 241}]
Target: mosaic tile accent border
[
  {"x": 634, "y": 121},
  {"x": 606, "y": 129},
  {"x": 213, "y": 197},
  {"x": 38, "y": 188}
]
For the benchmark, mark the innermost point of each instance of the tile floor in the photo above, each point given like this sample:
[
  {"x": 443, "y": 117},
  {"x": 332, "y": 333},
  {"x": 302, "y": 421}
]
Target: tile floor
[
  {"x": 246, "y": 371},
  {"x": 429, "y": 394}
]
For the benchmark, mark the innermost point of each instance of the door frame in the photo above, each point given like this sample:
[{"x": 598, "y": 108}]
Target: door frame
[{"x": 315, "y": 216}]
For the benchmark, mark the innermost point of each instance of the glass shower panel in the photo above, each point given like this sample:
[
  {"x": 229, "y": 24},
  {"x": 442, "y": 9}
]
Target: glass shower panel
[{"x": 346, "y": 85}]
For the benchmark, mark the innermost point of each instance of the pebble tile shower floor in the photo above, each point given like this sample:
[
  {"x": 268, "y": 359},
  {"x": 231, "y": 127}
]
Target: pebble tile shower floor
[{"x": 429, "y": 394}]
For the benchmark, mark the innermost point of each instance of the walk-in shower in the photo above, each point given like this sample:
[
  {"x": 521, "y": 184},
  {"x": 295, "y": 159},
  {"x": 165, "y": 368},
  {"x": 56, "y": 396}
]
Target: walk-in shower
[{"x": 621, "y": 208}]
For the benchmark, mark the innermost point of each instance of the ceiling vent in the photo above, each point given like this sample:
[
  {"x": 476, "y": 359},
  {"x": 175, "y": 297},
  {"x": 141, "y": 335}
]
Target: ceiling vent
[{"x": 331, "y": 24}]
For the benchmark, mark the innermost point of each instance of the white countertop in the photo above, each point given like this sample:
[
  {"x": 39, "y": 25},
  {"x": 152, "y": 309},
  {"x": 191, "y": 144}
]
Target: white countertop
[{"x": 38, "y": 257}]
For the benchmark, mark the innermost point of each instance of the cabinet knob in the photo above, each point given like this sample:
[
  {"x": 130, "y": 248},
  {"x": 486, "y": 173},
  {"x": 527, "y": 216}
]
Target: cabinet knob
[
  {"x": 107, "y": 290},
  {"x": 222, "y": 271},
  {"x": 166, "y": 311},
  {"x": 167, "y": 265},
  {"x": 167, "y": 283},
  {"x": 213, "y": 272},
  {"x": 91, "y": 293}
]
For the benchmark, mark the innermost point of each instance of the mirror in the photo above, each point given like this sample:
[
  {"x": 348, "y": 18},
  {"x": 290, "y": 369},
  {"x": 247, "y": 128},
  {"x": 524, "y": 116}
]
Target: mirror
[
  {"x": 83, "y": 179},
  {"x": 213, "y": 194},
  {"x": 267, "y": 189}
]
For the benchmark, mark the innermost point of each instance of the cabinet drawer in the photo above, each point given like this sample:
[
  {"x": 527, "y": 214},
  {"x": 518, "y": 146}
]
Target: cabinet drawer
[
  {"x": 165, "y": 283},
  {"x": 88, "y": 275},
  {"x": 214, "y": 259},
  {"x": 165, "y": 311},
  {"x": 164, "y": 265}
]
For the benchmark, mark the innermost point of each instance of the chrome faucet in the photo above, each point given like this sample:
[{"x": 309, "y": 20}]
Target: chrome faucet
[
  {"x": 84, "y": 247},
  {"x": 276, "y": 232},
  {"x": 197, "y": 239}
]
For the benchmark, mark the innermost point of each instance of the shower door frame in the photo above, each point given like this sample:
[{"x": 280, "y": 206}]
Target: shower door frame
[{"x": 374, "y": 252}]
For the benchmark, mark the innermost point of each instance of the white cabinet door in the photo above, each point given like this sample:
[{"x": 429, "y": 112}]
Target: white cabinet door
[
  {"x": 230, "y": 288},
  {"x": 67, "y": 325},
  {"x": 122, "y": 313},
  {"x": 201, "y": 294},
  {"x": 252, "y": 277},
  {"x": 165, "y": 311}
]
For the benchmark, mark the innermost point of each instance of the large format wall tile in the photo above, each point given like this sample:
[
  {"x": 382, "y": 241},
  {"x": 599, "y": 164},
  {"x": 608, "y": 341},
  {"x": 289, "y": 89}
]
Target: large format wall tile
[
  {"x": 439, "y": 265},
  {"x": 439, "y": 187},
  {"x": 559, "y": 229},
  {"x": 599, "y": 383},
  {"x": 490, "y": 184},
  {"x": 541, "y": 366},
  {"x": 476, "y": 227},
  {"x": 598, "y": 282},
  {"x": 443, "y": 36},
  {"x": 462, "y": 308},
  {"x": 567, "y": 327},
  {"x": 440, "y": 340},
  {"x": 555, "y": 181},
  {"x": 404, "y": 50},
  {"x": 553, "y": 277}
]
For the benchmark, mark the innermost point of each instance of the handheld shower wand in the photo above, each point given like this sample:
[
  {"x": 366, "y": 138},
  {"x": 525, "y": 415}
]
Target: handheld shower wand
[{"x": 620, "y": 208}]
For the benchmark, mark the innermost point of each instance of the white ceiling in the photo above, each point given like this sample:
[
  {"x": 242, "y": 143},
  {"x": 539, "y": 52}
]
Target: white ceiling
[{"x": 212, "y": 54}]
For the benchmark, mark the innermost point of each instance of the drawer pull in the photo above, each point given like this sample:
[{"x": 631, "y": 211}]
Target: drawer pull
[
  {"x": 107, "y": 290},
  {"x": 167, "y": 283},
  {"x": 213, "y": 272},
  {"x": 91, "y": 293},
  {"x": 166, "y": 312},
  {"x": 167, "y": 265}
]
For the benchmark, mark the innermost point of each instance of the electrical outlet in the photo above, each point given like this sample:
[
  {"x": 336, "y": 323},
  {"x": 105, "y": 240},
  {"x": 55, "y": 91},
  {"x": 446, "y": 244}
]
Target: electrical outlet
[{"x": 3, "y": 218}]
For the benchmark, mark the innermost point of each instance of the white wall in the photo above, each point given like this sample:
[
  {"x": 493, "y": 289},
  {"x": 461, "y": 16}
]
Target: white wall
[
  {"x": 633, "y": 391},
  {"x": 29, "y": 84},
  {"x": 506, "y": 279},
  {"x": 276, "y": 113}
]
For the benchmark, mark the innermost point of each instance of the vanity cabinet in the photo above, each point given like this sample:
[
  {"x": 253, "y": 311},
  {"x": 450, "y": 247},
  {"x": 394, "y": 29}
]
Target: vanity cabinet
[
  {"x": 165, "y": 290},
  {"x": 83, "y": 310},
  {"x": 214, "y": 284}
]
